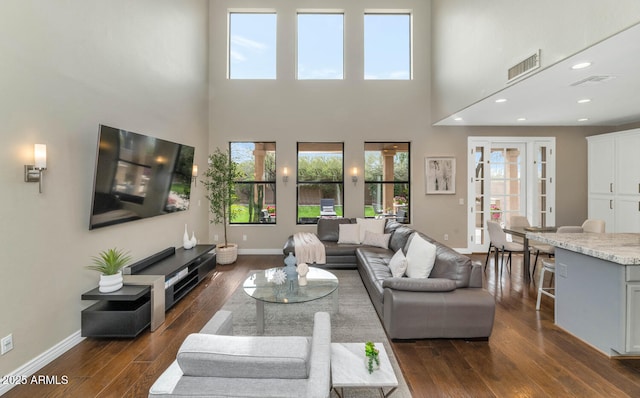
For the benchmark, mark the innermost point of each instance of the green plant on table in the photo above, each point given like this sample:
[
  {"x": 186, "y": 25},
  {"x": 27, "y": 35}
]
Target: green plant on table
[
  {"x": 110, "y": 262},
  {"x": 371, "y": 352}
]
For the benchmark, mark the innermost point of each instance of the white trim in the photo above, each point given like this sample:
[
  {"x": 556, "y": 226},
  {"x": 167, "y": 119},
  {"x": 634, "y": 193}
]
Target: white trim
[
  {"x": 43, "y": 359},
  {"x": 260, "y": 251}
]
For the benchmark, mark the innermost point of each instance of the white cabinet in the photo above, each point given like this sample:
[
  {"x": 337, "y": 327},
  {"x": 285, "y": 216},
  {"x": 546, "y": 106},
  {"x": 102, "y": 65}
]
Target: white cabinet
[{"x": 614, "y": 180}]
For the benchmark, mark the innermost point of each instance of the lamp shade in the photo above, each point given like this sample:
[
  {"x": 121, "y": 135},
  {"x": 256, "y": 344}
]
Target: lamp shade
[{"x": 40, "y": 156}]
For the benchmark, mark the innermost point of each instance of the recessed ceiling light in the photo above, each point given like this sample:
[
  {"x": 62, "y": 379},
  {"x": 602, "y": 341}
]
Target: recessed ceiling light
[
  {"x": 581, "y": 65},
  {"x": 457, "y": 119},
  {"x": 584, "y": 100},
  {"x": 501, "y": 100},
  {"x": 522, "y": 119},
  {"x": 584, "y": 119}
]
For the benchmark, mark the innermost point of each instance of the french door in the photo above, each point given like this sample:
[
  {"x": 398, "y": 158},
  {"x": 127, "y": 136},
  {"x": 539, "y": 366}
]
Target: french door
[{"x": 509, "y": 176}]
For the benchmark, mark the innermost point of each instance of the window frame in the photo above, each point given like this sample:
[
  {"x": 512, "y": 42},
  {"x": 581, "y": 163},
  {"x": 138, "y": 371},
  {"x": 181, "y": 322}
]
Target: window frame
[
  {"x": 340, "y": 182},
  {"x": 257, "y": 182},
  {"x": 275, "y": 42},
  {"x": 297, "y": 43},
  {"x": 408, "y": 13},
  {"x": 393, "y": 182}
]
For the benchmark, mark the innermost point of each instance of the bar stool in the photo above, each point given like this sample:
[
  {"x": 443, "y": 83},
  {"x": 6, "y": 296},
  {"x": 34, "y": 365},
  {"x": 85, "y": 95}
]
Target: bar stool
[{"x": 548, "y": 265}]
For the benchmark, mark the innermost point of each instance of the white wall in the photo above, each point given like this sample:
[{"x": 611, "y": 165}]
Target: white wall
[
  {"x": 65, "y": 67},
  {"x": 476, "y": 42},
  {"x": 287, "y": 110}
]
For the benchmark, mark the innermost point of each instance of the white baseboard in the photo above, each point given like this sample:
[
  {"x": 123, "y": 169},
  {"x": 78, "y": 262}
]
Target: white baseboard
[
  {"x": 463, "y": 250},
  {"x": 43, "y": 359},
  {"x": 260, "y": 251}
]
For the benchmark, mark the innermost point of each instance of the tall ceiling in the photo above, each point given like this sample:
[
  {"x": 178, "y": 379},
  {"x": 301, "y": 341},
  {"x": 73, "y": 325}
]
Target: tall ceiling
[{"x": 550, "y": 96}]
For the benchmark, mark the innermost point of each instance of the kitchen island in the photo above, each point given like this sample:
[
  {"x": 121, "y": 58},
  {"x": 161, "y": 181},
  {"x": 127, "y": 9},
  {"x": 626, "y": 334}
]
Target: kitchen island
[{"x": 598, "y": 288}]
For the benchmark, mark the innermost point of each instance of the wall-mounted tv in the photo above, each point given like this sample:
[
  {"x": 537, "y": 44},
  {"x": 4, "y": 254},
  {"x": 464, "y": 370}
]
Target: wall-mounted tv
[{"x": 138, "y": 176}]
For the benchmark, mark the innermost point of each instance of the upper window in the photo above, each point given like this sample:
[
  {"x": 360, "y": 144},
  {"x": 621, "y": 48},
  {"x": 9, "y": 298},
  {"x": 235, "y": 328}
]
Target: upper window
[
  {"x": 256, "y": 186},
  {"x": 320, "y": 181},
  {"x": 386, "y": 185},
  {"x": 387, "y": 46},
  {"x": 320, "y": 46},
  {"x": 252, "y": 45}
]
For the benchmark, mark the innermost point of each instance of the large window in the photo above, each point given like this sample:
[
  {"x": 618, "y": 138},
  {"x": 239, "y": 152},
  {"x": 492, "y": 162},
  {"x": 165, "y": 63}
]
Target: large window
[
  {"x": 252, "y": 46},
  {"x": 386, "y": 174},
  {"x": 320, "y": 46},
  {"x": 256, "y": 188},
  {"x": 320, "y": 181},
  {"x": 387, "y": 46}
]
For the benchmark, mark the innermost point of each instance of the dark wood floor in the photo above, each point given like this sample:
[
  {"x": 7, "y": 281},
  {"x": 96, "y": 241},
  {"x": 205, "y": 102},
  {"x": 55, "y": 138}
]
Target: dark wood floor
[{"x": 526, "y": 356}]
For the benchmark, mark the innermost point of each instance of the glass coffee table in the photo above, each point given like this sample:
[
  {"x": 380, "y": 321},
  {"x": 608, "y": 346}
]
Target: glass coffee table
[{"x": 259, "y": 285}]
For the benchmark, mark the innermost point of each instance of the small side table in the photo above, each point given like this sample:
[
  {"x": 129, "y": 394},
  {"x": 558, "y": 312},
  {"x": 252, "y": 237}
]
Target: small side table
[{"x": 348, "y": 369}]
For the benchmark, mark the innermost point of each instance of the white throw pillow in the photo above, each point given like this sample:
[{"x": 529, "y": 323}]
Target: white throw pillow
[
  {"x": 371, "y": 225},
  {"x": 377, "y": 240},
  {"x": 349, "y": 234},
  {"x": 398, "y": 264},
  {"x": 421, "y": 256}
]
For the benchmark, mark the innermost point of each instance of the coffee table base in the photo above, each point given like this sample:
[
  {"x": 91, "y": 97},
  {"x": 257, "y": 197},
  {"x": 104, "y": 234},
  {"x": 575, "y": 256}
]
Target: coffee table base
[{"x": 335, "y": 304}]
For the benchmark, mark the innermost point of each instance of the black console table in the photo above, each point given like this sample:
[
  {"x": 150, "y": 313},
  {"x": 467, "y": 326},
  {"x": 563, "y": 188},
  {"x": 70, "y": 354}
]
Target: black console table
[{"x": 128, "y": 311}]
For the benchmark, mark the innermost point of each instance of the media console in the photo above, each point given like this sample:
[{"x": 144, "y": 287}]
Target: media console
[{"x": 128, "y": 311}]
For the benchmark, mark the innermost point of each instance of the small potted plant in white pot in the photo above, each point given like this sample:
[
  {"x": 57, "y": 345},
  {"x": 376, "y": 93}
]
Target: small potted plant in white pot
[
  {"x": 110, "y": 263},
  {"x": 221, "y": 193}
]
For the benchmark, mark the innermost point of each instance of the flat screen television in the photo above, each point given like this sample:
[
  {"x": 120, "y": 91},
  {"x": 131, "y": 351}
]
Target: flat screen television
[{"x": 138, "y": 176}]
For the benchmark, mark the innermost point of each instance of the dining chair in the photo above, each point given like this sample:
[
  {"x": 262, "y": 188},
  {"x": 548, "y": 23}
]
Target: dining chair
[
  {"x": 548, "y": 249},
  {"x": 518, "y": 221},
  {"x": 498, "y": 239},
  {"x": 596, "y": 226}
]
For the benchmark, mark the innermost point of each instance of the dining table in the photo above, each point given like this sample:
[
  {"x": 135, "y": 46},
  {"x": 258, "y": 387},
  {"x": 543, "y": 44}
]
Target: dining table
[{"x": 521, "y": 232}]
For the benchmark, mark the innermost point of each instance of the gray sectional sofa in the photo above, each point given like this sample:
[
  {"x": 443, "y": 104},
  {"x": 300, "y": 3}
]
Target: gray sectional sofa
[{"x": 450, "y": 303}]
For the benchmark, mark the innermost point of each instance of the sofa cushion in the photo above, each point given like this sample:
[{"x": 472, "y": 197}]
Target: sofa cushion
[
  {"x": 400, "y": 237},
  {"x": 398, "y": 264},
  {"x": 420, "y": 284},
  {"x": 377, "y": 240},
  {"x": 349, "y": 234},
  {"x": 421, "y": 256},
  {"x": 328, "y": 228},
  {"x": 258, "y": 357},
  {"x": 371, "y": 225}
]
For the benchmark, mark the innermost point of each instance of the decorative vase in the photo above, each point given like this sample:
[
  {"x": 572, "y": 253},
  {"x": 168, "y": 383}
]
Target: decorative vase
[
  {"x": 110, "y": 283},
  {"x": 186, "y": 242},
  {"x": 371, "y": 364},
  {"x": 193, "y": 240},
  {"x": 290, "y": 267}
]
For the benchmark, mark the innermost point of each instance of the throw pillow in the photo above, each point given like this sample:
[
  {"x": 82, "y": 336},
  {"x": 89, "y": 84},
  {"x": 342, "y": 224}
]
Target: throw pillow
[
  {"x": 398, "y": 264},
  {"x": 421, "y": 256},
  {"x": 377, "y": 240},
  {"x": 349, "y": 234},
  {"x": 370, "y": 224}
]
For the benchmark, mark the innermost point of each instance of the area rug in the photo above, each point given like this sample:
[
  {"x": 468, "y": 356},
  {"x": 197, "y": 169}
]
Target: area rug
[{"x": 356, "y": 321}]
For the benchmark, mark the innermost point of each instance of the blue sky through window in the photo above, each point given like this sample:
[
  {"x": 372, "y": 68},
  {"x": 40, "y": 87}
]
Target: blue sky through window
[
  {"x": 320, "y": 40},
  {"x": 320, "y": 46},
  {"x": 387, "y": 46},
  {"x": 252, "y": 47}
]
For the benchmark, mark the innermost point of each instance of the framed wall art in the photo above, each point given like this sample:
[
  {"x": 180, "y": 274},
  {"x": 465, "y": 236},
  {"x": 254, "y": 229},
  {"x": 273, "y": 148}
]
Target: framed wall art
[{"x": 440, "y": 175}]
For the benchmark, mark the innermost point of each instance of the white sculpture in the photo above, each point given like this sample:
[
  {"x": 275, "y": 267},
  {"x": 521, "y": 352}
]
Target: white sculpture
[
  {"x": 303, "y": 269},
  {"x": 186, "y": 242}
]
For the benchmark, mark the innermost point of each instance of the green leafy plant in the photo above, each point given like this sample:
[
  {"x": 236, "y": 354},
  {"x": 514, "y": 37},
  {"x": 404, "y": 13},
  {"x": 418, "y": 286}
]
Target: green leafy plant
[
  {"x": 110, "y": 262},
  {"x": 371, "y": 352},
  {"x": 219, "y": 181}
]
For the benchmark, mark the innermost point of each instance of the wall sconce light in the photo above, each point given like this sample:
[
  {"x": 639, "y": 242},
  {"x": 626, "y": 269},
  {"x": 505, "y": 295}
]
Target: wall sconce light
[
  {"x": 285, "y": 174},
  {"x": 34, "y": 172},
  {"x": 194, "y": 174},
  {"x": 354, "y": 175}
]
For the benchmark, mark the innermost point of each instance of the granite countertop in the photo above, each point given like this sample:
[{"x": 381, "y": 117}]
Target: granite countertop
[{"x": 618, "y": 248}]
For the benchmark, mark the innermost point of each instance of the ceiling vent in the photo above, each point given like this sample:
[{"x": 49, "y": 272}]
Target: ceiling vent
[
  {"x": 522, "y": 68},
  {"x": 591, "y": 80}
]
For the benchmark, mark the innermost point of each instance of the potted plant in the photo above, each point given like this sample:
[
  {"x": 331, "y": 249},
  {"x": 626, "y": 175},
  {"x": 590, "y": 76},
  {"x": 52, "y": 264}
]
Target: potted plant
[
  {"x": 371, "y": 352},
  {"x": 221, "y": 192},
  {"x": 109, "y": 263}
]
